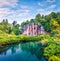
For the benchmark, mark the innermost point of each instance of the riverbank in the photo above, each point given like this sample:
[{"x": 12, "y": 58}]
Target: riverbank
[
  {"x": 6, "y": 39},
  {"x": 13, "y": 39}
]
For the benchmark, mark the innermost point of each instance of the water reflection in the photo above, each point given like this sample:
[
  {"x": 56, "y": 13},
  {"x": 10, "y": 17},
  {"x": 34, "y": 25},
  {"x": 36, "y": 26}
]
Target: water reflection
[
  {"x": 10, "y": 50},
  {"x": 23, "y": 52},
  {"x": 34, "y": 48}
]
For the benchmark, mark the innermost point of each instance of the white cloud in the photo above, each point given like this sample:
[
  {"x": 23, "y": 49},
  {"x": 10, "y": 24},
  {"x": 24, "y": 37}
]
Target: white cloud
[
  {"x": 40, "y": 10},
  {"x": 23, "y": 6},
  {"x": 40, "y": 4},
  {"x": 4, "y": 11},
  {"x": 22, "y": 14},
  {"x": 10, "y": 3},
  {"x": 51, "y": 1},
  {"x": 23, "y": 11},
  {"x": 44, "y": 11},
  {"x": 13, "y": 14},
  {"x": 52, "y": 6},
  {"x": 58, "y": 9}
]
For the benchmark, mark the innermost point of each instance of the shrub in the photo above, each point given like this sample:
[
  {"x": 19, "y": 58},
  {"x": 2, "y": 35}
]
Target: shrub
[
  {"x": 52, "y": 49},
  {"x": 54, "y": 58}
]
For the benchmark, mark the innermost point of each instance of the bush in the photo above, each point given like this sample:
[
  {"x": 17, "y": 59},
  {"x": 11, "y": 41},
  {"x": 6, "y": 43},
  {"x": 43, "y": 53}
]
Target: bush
[
  {"x": 54, "y": 58},
  {"x": 52, "y": 49},
  {"x": 11, "y": 39}
]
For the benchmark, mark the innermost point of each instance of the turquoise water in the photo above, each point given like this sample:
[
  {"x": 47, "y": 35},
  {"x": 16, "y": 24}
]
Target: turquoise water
[{"x": 32, "y": 51}]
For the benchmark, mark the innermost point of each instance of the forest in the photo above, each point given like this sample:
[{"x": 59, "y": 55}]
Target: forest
[{"x": 50, "y": 22}]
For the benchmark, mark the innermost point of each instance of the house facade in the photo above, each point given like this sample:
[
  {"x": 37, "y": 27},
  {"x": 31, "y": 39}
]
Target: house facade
[{"x": 33, "y": 29}]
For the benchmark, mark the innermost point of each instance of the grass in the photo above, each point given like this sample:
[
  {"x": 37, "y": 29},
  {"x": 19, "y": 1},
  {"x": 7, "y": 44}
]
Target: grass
[
  {"x": 12, "y": 39},
  {"x": 6, "y": 39}
]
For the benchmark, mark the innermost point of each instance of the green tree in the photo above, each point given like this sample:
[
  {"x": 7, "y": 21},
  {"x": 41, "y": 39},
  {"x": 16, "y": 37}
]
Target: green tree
[
  {"x": 52, "y": 49},
  {"x": 14, "y": 23}
]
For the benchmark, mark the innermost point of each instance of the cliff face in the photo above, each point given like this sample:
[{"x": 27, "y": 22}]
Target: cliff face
[{"x": 33, "y": 29}]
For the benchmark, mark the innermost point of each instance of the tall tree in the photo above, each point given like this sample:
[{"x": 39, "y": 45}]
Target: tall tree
[{"x": 14, "y": 23}]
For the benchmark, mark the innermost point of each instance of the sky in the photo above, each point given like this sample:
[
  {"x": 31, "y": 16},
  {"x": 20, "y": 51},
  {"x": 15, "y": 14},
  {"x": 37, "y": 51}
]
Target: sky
[{"x": 22, "y": 10}]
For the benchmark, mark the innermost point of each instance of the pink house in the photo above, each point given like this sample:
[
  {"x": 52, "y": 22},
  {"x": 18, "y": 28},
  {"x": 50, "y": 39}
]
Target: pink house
[{"x": 33, "y": 29}]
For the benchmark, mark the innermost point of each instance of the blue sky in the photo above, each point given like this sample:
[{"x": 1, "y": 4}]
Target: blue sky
[{"x": 22, "y": 10}]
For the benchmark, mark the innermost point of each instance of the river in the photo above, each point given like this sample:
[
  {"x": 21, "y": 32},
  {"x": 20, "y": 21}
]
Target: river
[{"x": 31, "y": 51}]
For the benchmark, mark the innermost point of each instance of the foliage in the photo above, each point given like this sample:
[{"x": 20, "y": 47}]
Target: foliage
[
  {"x": 54, "y": 58},
  {"x": 8, "y": 28},
  {"x": 50, "y": 21},
  {"x": 52, "y": 49},
  {"x": 12, "y": 39}
]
